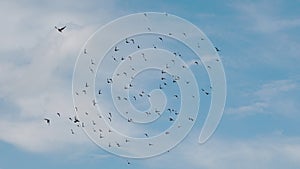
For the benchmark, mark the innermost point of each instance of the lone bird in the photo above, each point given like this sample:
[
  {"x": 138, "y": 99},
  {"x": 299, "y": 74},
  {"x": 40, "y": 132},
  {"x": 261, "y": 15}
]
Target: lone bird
[
  {"x": 47, "y": 121},
  {"x": 60, "y": 29}
]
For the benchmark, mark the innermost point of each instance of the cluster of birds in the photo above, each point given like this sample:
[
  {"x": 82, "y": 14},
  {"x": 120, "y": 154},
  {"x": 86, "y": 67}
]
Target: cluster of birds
[{"x": 163, "y": 83}]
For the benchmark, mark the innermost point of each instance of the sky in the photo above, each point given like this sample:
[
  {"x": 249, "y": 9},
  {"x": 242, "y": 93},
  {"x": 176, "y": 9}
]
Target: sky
[{"x": 258, "y": 42}]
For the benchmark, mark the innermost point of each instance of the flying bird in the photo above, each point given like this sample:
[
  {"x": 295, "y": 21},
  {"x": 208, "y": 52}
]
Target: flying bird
[
  {"x": 76, "y": 120},
  {"x": 47, "y": 121},
  {"x": 60, "y": 29}
]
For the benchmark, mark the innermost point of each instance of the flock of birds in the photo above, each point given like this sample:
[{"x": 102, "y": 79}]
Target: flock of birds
[{"x": 74, "y": 119}]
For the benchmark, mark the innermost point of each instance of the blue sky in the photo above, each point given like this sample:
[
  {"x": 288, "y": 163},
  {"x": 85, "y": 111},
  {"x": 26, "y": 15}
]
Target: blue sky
[{"x": 259, "y": 42}]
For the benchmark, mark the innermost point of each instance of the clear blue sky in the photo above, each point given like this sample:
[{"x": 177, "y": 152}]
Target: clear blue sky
[{"x": 259, "y": 43}]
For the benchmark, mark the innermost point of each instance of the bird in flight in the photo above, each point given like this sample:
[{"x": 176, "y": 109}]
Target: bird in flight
[
  {"x": 60, "y": 29},
  {"x": 47, "y": 121}
]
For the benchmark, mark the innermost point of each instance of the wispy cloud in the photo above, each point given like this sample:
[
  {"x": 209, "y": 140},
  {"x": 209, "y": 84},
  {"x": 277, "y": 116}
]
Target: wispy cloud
[
  {"x": 264, "y": 17},
  {"x": 269, "y": 152},
  {"x": 36, "y": 80},
  {"x": 276, "y": 97}
]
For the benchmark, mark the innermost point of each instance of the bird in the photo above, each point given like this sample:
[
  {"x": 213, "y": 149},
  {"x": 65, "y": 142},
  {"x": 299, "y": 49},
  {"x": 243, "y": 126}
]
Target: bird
[
  {"x": 100, "y": 92},
  {"x": 58, "y": 114},
  {"x": 191, "y": 119},
  {"x": 84, "y": 51},
  {"x": 160, "y": 38},
  {"x": 47, "y": 121},
  {"x": 132, "y": 40},
  {"x": 116, "y": 48},
  {"x": 76, "y": 120},
  {"x": 92, "y": 62},
  {"x": 60, "y": 29},
  {"x": 94, "y": 102},
  {"x": 217, "y": 49},
  {"x": 109, "y": 80},
  {"x": 72, "y": 131},
  {"x": 146, "y": 135}
]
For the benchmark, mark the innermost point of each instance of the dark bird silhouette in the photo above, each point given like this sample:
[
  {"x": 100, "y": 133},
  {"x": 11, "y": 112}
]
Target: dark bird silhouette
[
  {"x": 47, "y": 121},
  {"x": 191, "y": 119},
  {"x": 217, "y": 49},
  {"x": 60, "y": 29},
  {"x": 100, "y": 92},
  {"x": 146, "y": 135},
  {"x": 92, "y": 62},
  {"x": 72, "y": 131},
  {"x": 76, "y": 120},
  {"x": 58, "y": 114},
  {"x": 160, "y": 38},
  {"x": 84, "y": 51},
  {"x": 132, "y": 40},
  {"x": 116, "y": 49},
  {"x": 109, "y": 80},
  {"x": 94, "y": 102}
]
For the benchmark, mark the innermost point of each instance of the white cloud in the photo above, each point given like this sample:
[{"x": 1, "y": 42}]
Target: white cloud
[
  {"x": 268, "y": 152},
  {"x": 264, "y": 18},
  {"x": 36, "y": 80},
  {"x": 276, "y": 97}
]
